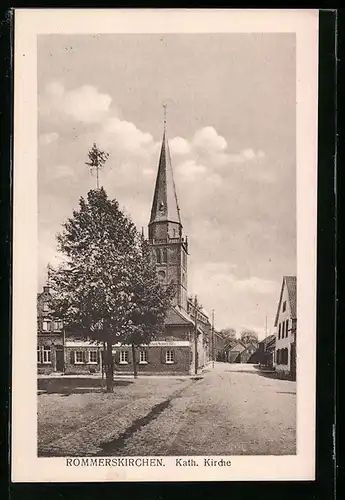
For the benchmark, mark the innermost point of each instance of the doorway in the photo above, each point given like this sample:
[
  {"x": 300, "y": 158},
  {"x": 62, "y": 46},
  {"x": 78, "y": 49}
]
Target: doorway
[{"x": 60, "y": 362}]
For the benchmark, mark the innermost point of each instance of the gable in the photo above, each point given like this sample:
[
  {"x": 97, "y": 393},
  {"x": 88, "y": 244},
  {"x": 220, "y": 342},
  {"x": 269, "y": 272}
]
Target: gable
[{"x": 288, "y": 295}]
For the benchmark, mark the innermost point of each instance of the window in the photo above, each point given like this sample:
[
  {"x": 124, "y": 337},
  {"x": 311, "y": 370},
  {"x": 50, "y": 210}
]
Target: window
[
  {"x": 169, "y": 357},
  {"x": 43, "y": 354},
  {"x": 286, "y": 328},
  {"x": 161, "y": 275},
  {"x": 283, "y": 329},
  {"x": 46, "y": 325},
  {"x": 123, "y": 357},
  {"x": 58, "y": 325},
  {"x": 93, "y": 357},
  {"x": 143, "y": 357},
  {"x": 284, "y": 306},
  {"x": 279, "y": 330},
  {"x": 45, "y": 306},
  {"x": 164, "y": 255},
  {"x": 78, "y": 357},
  {"x": 158, "y": 255}
]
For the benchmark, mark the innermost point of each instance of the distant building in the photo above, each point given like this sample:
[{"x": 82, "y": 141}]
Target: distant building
[
  {"x": 50, "y": 353},
  {"x": 286, "y": 328},
  {"x": 265, "y": 352},
  {"x": 241, "y": 352}
]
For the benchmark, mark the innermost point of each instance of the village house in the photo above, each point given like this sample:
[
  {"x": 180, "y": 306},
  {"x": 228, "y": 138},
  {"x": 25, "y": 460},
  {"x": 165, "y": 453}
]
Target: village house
[
  {"x": 50, "y": 350},
  {"x": 286, "y": 328},
  {"x": 241, "y": 352},
  {"x": 265, "y": 353},
  {"x": 174, "y": 351}
]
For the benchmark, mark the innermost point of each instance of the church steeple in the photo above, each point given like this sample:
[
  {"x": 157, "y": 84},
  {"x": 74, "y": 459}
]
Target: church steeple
[
  {"x": 165, "y": 204},
  {"x": 169, "y": 247}
]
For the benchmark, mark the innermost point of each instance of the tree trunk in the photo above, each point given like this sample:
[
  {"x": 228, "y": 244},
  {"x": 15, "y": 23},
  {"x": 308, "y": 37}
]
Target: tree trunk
[
  {"x": 135, "y": 366},
  {"x": 109, "y": 367},
  {"x": 103, "y": 357}
]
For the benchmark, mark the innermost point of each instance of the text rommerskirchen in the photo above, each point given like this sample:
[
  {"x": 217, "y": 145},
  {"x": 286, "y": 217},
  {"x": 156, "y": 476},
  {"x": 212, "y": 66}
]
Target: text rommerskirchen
[{"x": 114, "y": 462}]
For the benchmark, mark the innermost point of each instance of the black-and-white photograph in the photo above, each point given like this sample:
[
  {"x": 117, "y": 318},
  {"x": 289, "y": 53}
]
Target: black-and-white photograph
[
  {"x": 166, "y": 276},
  {"x": 166, "y": 308}
]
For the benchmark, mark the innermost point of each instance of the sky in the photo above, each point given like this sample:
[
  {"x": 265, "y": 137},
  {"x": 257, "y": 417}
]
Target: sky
[{"x": 231, "y": 126}]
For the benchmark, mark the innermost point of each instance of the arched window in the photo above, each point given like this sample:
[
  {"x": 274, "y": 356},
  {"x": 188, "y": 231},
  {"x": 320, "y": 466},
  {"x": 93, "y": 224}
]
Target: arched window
[
  {"x": 158, "y": 255},
  {"x": 164, "y": 255},
  {"x": 161, "y": 276}
]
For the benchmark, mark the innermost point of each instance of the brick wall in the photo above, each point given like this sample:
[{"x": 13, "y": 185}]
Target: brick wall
[{"x": 155, "y": 360}]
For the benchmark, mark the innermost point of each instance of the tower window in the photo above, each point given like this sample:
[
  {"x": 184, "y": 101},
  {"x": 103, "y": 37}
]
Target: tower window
[
  {"x": 161, "y": 275},
  {"x": 164, "y": 255},
  {"x": 158, "y": 255},
  {"x": 284, "y": 306}
]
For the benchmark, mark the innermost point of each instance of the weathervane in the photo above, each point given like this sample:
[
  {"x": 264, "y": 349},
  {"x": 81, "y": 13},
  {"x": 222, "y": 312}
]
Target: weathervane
[{"x": 165, "y": 114}]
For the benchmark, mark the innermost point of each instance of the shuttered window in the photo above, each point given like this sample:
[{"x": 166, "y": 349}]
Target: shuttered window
[
  {"x": 78, "y": 357},
  {"x": 93, "y": 357},
  {"x": 143, "y": 357},
  {"x": 123, "y": 357},
  {"x": 43, "y": 355}
]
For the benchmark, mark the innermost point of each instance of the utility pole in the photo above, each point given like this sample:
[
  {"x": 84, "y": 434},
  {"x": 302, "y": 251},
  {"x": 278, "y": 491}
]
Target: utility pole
[
  {"x": 213, "y": 338},
  {"x": 195, "y": 335}
]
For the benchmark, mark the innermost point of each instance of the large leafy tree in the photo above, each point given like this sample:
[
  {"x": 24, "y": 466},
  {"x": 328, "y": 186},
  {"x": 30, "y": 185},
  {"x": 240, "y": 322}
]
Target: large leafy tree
[
  {"x": 230, "y": 336},
  {"x": 96, "y": 288},
  {"x": 249, "y": 336}
]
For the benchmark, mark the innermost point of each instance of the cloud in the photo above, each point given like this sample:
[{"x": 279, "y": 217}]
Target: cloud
[
  {"x": 245, "y": 155},
  {"x": 49, "y": 138},
  {"x": 60, "y": 171},
  {"x": 208, "y": 139},
  {"x": 87, "y": 104},
  {"x": 83, "y": 104},
  {"x": 256, "y": 285},
  {"x": 179, "y": 146},
  {"x": 124, "y": 135},
  {"x": 190, "y": 170}
]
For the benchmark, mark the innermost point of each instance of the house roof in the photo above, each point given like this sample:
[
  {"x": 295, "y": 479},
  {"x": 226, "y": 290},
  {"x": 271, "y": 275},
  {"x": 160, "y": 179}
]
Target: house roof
[
  {"x": 291, "y": 284},
  {"x": 268, "y": 339},
  {"x": 237, "y": 344},
  {"x": 177, "y": 316}
]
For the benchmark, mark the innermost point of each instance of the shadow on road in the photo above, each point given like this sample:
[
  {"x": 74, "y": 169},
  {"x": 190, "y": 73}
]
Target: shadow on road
[{"x": 76, "y": 385}]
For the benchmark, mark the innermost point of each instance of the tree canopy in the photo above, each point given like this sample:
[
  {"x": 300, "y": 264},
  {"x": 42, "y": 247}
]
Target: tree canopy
[
  {"x": 249, "y": 336},
  {"x": 106, "y": 288}
]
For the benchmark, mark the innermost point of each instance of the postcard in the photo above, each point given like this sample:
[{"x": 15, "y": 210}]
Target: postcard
[{"x": 164, "y": 253}]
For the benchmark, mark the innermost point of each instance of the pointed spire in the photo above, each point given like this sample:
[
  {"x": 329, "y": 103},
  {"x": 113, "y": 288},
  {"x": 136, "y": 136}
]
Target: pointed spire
[{"x": 165, "y": 205}]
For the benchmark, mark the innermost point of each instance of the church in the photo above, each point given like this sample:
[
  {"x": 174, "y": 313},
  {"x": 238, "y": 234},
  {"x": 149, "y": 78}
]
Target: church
[{"x": 188, "y": 342}]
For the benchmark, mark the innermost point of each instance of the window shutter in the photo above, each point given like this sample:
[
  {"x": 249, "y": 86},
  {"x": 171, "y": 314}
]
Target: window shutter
[
  {"x": 162, "y": 355},
  {"x": 71, "y": 357},
  {"x": 175, "y": 355},
  {"x": 98, "y": 357}
]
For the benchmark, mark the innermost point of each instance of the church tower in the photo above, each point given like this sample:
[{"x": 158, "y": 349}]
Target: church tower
[{"x": 169, "y": 247}]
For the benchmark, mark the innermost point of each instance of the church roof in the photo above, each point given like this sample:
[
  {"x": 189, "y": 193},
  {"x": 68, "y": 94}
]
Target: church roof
[
  {"x": 165, "y": 205},
  {"x": 291, "y": 284},
  {"x": 176, "y": 316}
]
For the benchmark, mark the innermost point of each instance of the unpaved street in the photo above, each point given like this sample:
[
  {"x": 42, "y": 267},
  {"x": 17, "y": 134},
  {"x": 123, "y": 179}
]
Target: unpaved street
[{"x": 233, "y": 410}]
